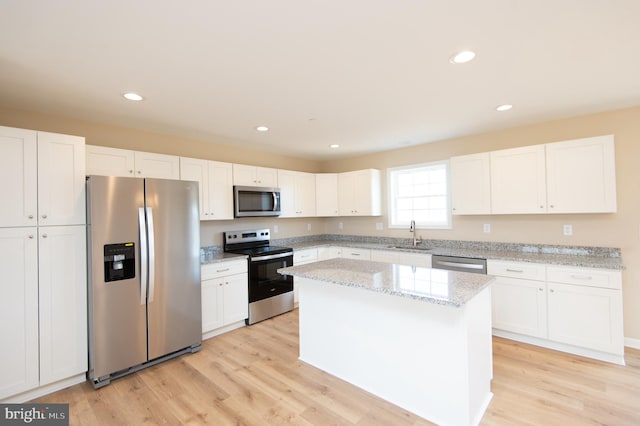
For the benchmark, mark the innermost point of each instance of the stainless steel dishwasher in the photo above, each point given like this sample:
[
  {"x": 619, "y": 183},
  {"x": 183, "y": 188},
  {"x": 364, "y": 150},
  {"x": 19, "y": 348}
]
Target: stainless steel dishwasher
[{"x": 474, "y": 265}]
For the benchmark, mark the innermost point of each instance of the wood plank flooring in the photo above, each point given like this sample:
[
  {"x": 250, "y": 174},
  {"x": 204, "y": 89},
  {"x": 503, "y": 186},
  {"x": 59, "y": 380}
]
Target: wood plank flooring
[{"x": 252, "y": 376}]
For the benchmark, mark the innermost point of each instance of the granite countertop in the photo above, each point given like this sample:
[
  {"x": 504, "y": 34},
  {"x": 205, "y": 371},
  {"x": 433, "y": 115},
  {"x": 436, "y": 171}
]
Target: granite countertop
[
  {"x": 208, "y": 256},
  {"x": 424, "y": 284},
  {"x": 557, "y": 258}
]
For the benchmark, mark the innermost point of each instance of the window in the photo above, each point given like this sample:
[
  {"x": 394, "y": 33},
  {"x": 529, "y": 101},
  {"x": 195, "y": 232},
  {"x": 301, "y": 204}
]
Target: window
[{"x": 421, "y": 193}]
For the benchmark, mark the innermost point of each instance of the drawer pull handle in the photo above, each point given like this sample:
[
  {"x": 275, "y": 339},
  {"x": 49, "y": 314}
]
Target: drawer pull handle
[
  {"x": 515, "y": 270},
  {"x": 355, "y": 254},
  {"x": 552, "y": 291},
  {"x": 581, "y": 277},
  {"x": 222, "y": 270}
]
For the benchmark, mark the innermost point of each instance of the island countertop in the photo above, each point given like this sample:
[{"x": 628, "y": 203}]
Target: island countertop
[{"x": 425, "y": 284}]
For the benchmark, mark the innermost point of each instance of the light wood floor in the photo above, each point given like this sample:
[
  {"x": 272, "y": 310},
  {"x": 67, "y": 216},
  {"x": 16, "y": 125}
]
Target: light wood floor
[{"x": 252, "y": 376}]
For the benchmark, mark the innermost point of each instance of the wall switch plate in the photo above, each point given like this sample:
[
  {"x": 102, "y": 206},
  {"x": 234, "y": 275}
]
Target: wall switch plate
[
  {"x": 308, "y": 227},
  {"x": 567, "y": 229},
  {"x": 486, "y": 228},
  {"x": 378, "y": 226},
  {"x": 340, "y": 226},
  {"x": 275, "y": 229}
]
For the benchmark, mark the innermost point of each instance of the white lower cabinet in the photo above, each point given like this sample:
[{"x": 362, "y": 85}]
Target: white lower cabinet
[
  {"x": 356, "y": 253},
  {"x": 225, "y": 295},
  {"x": 331, "y": 252},
  {"x": 302, "y": 257},
  {"x": 43, "y": 291},
  {"x": 576, "y": 310},
  {"x": 402, "y": 258}
]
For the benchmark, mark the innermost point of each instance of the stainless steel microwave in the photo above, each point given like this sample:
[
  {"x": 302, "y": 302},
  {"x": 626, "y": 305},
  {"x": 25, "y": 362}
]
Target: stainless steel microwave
[{"x": 253, "y": 201}]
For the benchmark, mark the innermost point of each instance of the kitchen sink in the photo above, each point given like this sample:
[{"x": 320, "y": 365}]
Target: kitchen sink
[{"x": 408, "y": 247}]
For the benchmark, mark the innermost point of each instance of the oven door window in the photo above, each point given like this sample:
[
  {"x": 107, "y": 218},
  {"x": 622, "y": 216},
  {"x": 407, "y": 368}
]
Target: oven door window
[{"x": 264, "y": 279}]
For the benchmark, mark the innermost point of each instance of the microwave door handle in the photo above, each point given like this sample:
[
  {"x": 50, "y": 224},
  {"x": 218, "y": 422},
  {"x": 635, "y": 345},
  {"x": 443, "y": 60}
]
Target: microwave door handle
[{"x": 275, "y": 201}]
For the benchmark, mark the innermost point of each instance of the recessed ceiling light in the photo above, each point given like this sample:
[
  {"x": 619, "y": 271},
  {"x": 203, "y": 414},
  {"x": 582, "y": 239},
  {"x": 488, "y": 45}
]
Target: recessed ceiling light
[
  {"x": 262, "y": 128},
  {"x": 334, "y": 146},
  {"x": 462, "y": 57},
  {"x": 133, "y": 96},
  {"x": 505, "y": 107}
]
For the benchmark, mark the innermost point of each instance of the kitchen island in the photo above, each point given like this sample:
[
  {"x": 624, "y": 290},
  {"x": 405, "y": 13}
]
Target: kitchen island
[{"x": 419, "y": 338}]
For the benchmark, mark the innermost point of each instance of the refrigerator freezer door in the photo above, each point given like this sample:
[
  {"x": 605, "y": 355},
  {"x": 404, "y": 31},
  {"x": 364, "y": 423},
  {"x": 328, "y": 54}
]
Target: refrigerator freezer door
[
  {"x": 117, "y": 319},
  {"x": 174, "y": 310}
]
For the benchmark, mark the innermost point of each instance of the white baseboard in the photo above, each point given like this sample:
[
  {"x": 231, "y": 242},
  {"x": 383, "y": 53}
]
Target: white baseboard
[
  {"x": 45, "y": 390},
  {"x": 632, "y": 343},
  {"x": 222, "y": 330}
]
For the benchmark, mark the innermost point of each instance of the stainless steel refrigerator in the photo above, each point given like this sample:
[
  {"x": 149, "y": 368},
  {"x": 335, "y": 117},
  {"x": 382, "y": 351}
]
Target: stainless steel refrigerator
[{"x": 144, "y": 273}]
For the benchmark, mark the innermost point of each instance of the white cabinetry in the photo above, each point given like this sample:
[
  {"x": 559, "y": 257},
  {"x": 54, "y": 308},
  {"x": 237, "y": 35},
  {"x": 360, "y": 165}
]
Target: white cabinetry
[
  {"x": 106, "y": 161},
  {"x": 471, "y": 184},
  {"x": 43, "y": 259},
  {"x": 518, "y": 180},
  {"x": 402, "y": 258},
  {"x": 359, "y": 193},
  {"x": 297, "y": 193},
  {"x": 302, "y": 257},
  {"x": 331, "y": 252},
  {"x": 356, "y": 253},
  {"x": 245, "y": 175},
  {"x": 519, "y": 297},
  {"x": 585, "y": 308},
  {"x": 327, "y": 194},
  {"x": 215, "y": 185},
  {"x": 225, "y": 296},
  {"x": 581, "y": 176}
]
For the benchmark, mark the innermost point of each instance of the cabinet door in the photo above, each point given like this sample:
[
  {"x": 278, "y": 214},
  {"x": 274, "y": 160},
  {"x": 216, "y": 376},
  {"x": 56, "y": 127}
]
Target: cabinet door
[
  {"x": 195, "y": 169},
  {"x": 518, "y": 181},
  {"x": 266, "y": 177},
  {"x": 212, "y": 308},
  {"x": 327, "y": 194},
  {"x": 105, "y": 161},
  {"x": 236, "y": 298},
  {"x": 519, "y": 306},
  {"x": 471, "y": 184},
  {"x": 589, "y": 317},
  {"x": 306, "y": 194},
  {"x": 61, "y": 179},
  {"x": 63, "y": 302},
  {"x": 220, "y": 191},
  {"x": 581, "y": 176},
  {"x": 152, "y": 165},
  {"x": 325, "y": 253},
  {"x": 287, "y": 185},
  {"x": 359, "y": 193},
  {"x": 19, "y": 174},
  {"x": 19, "y": 307},
  {"x": 254, "y": 176}
]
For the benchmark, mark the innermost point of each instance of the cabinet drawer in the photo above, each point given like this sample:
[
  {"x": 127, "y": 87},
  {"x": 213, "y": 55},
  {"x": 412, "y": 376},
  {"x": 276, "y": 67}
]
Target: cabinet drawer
[
  {"x": 356, "y": 253},
  {"x": 525, "y": 271},
  {"x": 301, "y": 257},
  {"x": 221, "y": 269},
  {"x": 585, "y": 277}
]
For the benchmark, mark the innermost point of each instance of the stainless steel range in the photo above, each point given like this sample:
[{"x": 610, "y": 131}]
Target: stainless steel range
[{"x": 270, "y": 293}]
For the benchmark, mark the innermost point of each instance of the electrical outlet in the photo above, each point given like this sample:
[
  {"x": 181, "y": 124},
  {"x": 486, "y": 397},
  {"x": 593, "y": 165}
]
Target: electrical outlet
[
  {"x": 378, "y": 226},
  {"x": 308, "y": 227},
  {"x": 275, "y": 229},
  {"x": 486, "y": 228},
  {"x": 340, "y": 225},
  {"x": 567, "y": 229}
]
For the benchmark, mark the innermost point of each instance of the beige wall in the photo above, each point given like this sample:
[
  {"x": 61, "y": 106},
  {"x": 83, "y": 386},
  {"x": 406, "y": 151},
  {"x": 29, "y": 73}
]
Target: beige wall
[{"x": 621, "y": 229}]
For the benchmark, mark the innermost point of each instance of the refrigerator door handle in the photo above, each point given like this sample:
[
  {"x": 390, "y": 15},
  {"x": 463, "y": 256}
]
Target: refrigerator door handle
[
  {"x": 142, "y": 226},
  {"x": 152, "y": 257}
]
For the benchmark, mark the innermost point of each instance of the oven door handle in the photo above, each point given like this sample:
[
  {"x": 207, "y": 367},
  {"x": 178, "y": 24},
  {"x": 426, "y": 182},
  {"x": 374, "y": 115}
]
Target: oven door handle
[{"x": 271, "y": 256}]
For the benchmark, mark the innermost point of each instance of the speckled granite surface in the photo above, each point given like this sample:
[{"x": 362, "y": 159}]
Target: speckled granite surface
[
  {"x": 586, "y": 257},
  {"x": 424, "y": 284},
  {"x": 215, "y": 254}
]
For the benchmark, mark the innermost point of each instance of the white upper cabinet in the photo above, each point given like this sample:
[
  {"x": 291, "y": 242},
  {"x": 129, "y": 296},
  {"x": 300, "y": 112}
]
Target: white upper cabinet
[
  {"x": 327, "y": 194},
  {"x": 61, "y": 180},
  {"x": 518, "y": 180},
  {"x": 107, "y": 161},
  {"x": 297, "y": 193},
  {"x": 581, "y": 176},
  {"x": 471, "y": 184},
  {"x": 359, "y": 193},
  {"x": 47, "y": 174},
  {"x": 19, "y": 167},
  {"x": 215, "y": 186},
  {"x": 244, "y": 175}
]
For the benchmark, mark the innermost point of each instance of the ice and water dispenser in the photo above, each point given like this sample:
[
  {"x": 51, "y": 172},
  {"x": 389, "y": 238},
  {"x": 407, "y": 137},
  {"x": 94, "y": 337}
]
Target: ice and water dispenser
[{"x": 119, "y": 262}]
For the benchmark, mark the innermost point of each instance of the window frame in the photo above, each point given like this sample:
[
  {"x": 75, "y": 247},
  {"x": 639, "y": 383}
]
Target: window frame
[{"x": 391, "y": 195}]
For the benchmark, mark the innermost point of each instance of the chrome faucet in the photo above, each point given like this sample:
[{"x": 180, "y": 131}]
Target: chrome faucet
[{"x": 412, "y": 228}]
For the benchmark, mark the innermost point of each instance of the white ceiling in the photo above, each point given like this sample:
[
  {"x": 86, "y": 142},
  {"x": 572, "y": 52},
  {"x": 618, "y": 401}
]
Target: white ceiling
[{"x": 369, "y": 75}]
